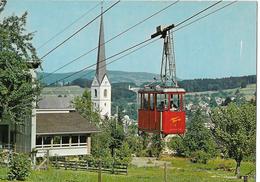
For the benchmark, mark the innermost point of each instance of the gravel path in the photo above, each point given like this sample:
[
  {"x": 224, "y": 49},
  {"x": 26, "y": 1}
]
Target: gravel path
[{"x": 148, "y": 162}]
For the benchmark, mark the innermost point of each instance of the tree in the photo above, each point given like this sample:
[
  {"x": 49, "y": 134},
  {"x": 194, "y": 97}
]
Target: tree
[
  {"x": 17, "y": 89},
  {"x": 100, "y": 143},
  {"x": 212, "y": 102},
  {"x": 235, "y": 131},
  {"x": 84, "y": 106},
  {"x": 226, "y": 101},
  {"x": 157, "y": 145},
  {"x": 177, "y": 145},
  {"x": 134, "y": 143},
  {"x": 123, "y": 154},
  {"x": 117, "y": 135},
  {"x": 243, "y": 84},
  {"x": 197, "y": 140},
  {"x": 198, "y": 137},
  {"x": 107, "y": 143},
  {"x": 82, "y": 82}
]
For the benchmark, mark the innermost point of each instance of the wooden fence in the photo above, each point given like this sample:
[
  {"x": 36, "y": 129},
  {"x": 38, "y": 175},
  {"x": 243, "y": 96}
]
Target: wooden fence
[{"x": 114, "y": 168}]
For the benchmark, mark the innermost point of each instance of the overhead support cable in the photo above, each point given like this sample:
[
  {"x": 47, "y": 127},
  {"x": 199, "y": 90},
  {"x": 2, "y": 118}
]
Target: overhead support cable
[
  {"x": 75, "y": 33},
  {"x": 68, "y": 26},
  {"x": 121, "y": 52},
  {"x": 92, "y": 71},
  {"x": 123, "y": 32},
  {"x": 146, "y": 41},
  {"x": 197, "y": 13},
  {"x": 204, "y": 16}
]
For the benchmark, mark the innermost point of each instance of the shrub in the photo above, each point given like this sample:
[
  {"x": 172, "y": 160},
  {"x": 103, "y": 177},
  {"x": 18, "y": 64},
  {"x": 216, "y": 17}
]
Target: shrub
[
  {"x": 123, "y": 155},
  {"x": 200, "y": 157},
  {"x": 19, "y": 167},
  {"x": 177, "y": 145},
  {"x": 142, "y": 153}
]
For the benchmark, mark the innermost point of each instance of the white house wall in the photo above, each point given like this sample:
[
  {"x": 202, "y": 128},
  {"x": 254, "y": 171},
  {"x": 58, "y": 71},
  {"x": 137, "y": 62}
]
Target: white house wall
[{"x": 69, "y": 151}]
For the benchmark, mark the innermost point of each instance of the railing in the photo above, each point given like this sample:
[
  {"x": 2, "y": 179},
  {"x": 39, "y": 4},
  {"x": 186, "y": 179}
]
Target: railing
[
  {"x": 61, "y": 145},
  {"x": 6, "y": 146},
  {"x": 114, "y": 168}
]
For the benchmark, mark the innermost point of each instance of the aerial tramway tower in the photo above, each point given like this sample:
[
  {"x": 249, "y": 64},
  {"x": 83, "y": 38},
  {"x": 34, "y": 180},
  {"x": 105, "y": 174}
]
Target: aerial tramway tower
[{"x": 161, "y": 105}]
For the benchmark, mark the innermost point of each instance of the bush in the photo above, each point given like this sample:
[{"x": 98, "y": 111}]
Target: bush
[
  {"x": 200, "y": 157},
  {"x": 19, "y": 167},
  {"x": 123, "y": 155},
  {"x": 142, "y": 153},
  {"x": 177, "y": 145}
]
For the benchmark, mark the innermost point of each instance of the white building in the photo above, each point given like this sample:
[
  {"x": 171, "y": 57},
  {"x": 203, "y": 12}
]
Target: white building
[
  {"x": 101, "y": 87},
  {"x": 62, "y": 132}
]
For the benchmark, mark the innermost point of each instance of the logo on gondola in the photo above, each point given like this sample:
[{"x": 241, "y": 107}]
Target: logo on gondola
[{"x": 176, "y": 119}]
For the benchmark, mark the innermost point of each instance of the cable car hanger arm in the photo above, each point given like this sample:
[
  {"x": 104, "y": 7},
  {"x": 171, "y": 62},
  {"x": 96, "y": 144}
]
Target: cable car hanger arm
[{"x": 162, "y": 31}]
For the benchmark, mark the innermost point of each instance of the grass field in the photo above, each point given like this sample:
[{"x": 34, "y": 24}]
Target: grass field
[
  {"x": 179, "y": 169},
  {"x": 65, "y": 90},
  {"x": 248, "y": 92}
]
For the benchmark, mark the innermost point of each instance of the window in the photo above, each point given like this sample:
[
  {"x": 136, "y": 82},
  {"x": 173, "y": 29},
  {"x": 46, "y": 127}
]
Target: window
[
  {"x": 83, "y": 139},
  {"x": 74, "y": 139},
  {"x": 182, "y": 106},
  {"x": 95, "y": 92},
  {"x": 56, "y": 140},
  {"x": 175, "y": 102},
  {"x": 162, "y": 102},
  {"x": 140, "y": 100},
  {"x": 65, "y": 139},
  {"x": 145, "y": 101},
  {"x": 105, "y": 93},
  {"x": 38, "y": 140},
  {"x": 151, "y": 101},
  {"x": 47, "y": 140}
]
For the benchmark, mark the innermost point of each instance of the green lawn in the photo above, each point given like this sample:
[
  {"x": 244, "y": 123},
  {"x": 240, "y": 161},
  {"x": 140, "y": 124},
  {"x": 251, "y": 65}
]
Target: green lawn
[
  {"x": 179, "y": 170},
  {"x": 247, "y": 92},
  {"x": 65, "y": 90}
]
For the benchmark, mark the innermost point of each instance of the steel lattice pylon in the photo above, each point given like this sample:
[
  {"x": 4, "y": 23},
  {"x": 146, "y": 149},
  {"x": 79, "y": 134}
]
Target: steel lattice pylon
[{"x": 168, "y": 66}]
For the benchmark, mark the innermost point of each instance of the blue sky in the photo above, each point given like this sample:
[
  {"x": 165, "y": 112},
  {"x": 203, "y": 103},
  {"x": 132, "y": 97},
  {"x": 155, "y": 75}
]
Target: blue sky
[{"x": 220, "y": 45}]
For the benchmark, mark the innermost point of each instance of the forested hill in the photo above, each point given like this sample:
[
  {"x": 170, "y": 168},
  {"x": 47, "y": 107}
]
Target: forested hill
[
  {"x": 196, "y": 85},
  {"x": 114, "y": 76},
  {"x": 200, "y": 85}
]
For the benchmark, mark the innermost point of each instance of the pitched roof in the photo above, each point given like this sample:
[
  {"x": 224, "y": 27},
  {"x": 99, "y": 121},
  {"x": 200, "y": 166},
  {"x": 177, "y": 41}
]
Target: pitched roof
[
  {"x": 101, "y": 62},
  {"x": 63, "y": 123},
  {"x": 55, "y": 102}
]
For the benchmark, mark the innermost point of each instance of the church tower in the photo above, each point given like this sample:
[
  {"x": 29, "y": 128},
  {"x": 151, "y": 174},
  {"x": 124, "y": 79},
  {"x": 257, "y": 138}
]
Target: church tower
[{"x": 101, "y": 87}]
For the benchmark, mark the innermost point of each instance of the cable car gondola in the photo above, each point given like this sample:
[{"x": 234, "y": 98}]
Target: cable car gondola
[{"x": 162, "y": 106}]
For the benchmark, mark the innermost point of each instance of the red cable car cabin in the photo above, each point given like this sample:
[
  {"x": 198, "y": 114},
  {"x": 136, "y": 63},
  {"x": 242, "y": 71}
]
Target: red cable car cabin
[{"x": 161, "y": 110}]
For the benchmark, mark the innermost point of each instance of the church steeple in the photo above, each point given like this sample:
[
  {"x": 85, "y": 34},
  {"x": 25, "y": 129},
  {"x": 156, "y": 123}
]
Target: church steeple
[
  {"x": 101, "y": 56},
  {"x": 101, "y": 87}
]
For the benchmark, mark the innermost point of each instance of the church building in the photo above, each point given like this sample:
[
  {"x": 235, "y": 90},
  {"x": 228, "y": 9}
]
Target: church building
[{"x": 101, "y": 87}]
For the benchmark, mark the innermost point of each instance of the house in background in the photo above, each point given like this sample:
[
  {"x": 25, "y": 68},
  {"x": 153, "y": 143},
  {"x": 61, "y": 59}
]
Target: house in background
[{"x": 62, "y": 132}]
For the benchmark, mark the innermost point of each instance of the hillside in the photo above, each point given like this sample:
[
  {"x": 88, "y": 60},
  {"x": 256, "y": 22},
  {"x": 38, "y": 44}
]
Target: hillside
[
  {"x": 65, "y": 90},
  {"x": 115, "y": 77},
  {"x": 201, "y": 93}
]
